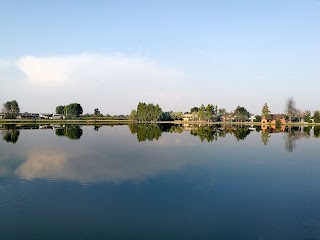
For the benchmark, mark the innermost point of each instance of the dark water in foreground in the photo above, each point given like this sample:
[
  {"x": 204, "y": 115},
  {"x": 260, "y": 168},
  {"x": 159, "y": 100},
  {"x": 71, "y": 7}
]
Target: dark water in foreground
[{"x": 187, "y": 183}]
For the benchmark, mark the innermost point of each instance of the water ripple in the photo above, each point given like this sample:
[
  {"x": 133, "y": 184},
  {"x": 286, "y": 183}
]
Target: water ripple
[{"x": 12, "y": 195}]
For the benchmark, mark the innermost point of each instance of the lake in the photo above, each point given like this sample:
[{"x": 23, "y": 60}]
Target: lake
[{"x": 159, "y": 182}]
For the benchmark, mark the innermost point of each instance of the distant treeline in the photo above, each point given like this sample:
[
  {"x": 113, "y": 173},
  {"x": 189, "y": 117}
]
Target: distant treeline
[{"x": 150, "y": 112}]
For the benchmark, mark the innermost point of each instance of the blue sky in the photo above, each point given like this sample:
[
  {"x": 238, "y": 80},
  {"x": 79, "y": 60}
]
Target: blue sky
[{"x": 180, "y": 54}]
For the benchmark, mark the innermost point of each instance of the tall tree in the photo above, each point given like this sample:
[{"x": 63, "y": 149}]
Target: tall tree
[
  {"x": 316, "y": 117},
  {"x": 133, "y": 115},
  {"x": 265, "y": 111},
  {"x": 204, "y": 115},
  {"x": 11, "y": 109},
  {"x": 147, "y": 112},
  {"x": 241, "y": 113},
  {"x": 60, "y": 109},
  {"x": 291, "y": 109},
  {"x": 222, "y": 114},
  {"x": 74, "y": 110},
  {"x": 307, "y": 116}
]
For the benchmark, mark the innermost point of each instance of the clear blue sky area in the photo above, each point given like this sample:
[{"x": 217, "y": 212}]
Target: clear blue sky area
[{"x": 180, "y": 54}]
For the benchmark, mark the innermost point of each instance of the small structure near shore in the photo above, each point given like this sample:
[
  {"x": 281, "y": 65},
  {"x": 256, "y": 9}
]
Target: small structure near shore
[
  {"x": 273, "y": 118},
  {"x": 51, "y": 116},
  {"x": 189, "y": 117}
]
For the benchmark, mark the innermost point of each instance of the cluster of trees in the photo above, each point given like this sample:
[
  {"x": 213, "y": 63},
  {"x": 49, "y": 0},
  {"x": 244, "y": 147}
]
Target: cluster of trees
[
  {"x": 71, "y": 110},
  {"x": 294, "y": 114},
  {"x": 11, "y": 109},
  {"x": 241, "y": 114},
  {"x": 146, "y": 112},
  {"x": 171, "y": 116},
  {"x": 209, "y": 113},
  {"x": 215, "y": 114}
]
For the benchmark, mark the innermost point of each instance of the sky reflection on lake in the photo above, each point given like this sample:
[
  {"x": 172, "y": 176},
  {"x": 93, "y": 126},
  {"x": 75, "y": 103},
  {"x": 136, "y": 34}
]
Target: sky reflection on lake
[
  {"x": 113, "y": 153},
  {"x": 171, "y": 183}
]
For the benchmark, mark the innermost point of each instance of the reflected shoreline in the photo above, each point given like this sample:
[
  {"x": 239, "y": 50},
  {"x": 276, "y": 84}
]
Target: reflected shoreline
[{"x": 153, "y": 132}]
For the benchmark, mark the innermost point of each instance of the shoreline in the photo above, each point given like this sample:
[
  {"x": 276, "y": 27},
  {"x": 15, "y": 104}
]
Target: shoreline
[{"x": 108, "y": 122}]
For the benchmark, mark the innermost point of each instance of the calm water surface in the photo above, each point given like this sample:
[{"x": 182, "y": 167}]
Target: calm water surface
[{"x": 151, "y": 182}]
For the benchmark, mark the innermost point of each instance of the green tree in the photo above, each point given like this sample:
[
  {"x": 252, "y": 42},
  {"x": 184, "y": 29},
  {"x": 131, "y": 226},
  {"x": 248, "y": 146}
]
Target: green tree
[
  {"x": 265, "y": 111},
  {"x": 74, "y": 110},
  {"x": 177, "y": 115},
  {"x": 278, "y": 124},
  {"x": 222, "y": 114},
  {"x": 133, "y": 115},
  {"x": 194, "y": 109},
  {"x": 11, "y": 109},
  {"x": 307, "y": 116},
  {"x": 204, "y": 115},
  {"x": 148, "y": 112},
  {"x": 97, "y": 112},
  {"x": 166, "y": 116},
  {"x": 316, "y": 117},
  {"x": 241, "y": 114},
  {"x": 60, "y": 109},
  {"x": 257, "y": 118}
]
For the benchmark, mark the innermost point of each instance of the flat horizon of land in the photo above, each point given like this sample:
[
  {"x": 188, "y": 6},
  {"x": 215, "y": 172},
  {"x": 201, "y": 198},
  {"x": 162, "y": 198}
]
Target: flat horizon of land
[{"x": 127, "y": 121}]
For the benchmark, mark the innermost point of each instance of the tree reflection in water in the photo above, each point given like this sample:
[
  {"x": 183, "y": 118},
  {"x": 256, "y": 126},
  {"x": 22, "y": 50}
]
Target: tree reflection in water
[
  {"x": 210, "y": 133},
  {"x": 146, "y": 131},
  {"x": 292, "y": 135},
  {"x": 214, "y": 132},
  {"x": 73, "y": 132},
  {"x": 10, "y": 134},
  {"x": 150, "y": 132},
  {"x": 265, "y": 135},
  {"x": 316, "y": 132}
]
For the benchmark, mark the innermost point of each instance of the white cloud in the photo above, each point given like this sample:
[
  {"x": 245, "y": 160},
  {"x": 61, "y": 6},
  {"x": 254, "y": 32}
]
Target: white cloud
[
  {"x": 113, "y": 83},
  {"x": 45, "y": 71},
  {"x": 95, "y": 68}
]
